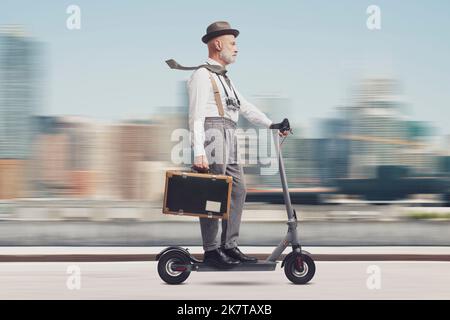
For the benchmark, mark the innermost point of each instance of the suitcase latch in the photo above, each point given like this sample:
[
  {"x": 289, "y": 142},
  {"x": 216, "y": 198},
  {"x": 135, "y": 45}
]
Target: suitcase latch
[
  {"x": 210, "y": 214},
  {"x": 180, "y": 212}
]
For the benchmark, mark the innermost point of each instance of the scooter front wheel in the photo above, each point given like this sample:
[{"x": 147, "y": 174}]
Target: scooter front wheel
[
  {"x": 296, "y": 274},
  {"x": 170, "y": 267}
]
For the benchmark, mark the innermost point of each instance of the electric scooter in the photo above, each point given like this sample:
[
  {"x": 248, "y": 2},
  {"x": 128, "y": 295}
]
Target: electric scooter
[{"x": 175, "y": 263}]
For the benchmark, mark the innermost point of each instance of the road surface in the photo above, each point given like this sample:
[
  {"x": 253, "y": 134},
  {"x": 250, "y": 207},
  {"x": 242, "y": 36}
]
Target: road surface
[{"x": 140, "y": 280}]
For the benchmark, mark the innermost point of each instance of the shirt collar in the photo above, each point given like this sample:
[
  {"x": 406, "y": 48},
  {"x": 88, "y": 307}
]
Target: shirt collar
[{"x": 214, "y": 62}]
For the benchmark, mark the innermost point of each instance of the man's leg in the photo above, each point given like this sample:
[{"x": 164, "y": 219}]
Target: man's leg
[
  {"x": 209, "y": 226},
  {"x": 230, "y": 227},
  {"x": 213, "y": 255}
]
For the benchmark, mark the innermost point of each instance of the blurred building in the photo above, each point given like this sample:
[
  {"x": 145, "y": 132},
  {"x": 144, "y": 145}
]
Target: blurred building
[
  {"x": 276, "y": 107},
  {"x": 105, "y": 161},
  {"x": 444, "y": 166},
  {"x": 334, "y": 155},
  {"x": 81, "y": 158},
  {"x": 49, "y": 160},
  {"x": 164, "y": 137},
  {"x": 375, "y": 125},
  {"x": 132, "y": 147},
  {"x": 447, "y": 145},
  {"x": 81, "y": 133},
  {"x": 301, "y": 158},
  {"x": 380, "y": 134},
  {"x": 20, "y": 98},
  {"x": 144, "y": 152},
  {"x": 63, "y": 157},
  {"x": 12, "y": 178}
]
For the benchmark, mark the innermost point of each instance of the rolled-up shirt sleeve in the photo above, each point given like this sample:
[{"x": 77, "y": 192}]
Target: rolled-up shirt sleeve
[
  {"x": 199, "y": 87},
  {"x": 252, "y": 113}
]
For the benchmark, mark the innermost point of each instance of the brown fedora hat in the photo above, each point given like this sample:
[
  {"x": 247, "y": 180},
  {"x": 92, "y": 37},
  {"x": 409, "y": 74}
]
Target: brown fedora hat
[{"x": 218, "y": 28}]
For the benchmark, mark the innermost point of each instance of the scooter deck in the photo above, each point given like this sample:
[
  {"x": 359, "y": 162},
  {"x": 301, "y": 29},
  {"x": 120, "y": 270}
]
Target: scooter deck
[{"x": 257, "y": 266}]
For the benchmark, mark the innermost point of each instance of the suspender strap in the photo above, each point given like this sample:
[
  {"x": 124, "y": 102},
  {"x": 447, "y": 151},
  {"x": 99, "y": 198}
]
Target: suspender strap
[{"x": 216, "y": 95}]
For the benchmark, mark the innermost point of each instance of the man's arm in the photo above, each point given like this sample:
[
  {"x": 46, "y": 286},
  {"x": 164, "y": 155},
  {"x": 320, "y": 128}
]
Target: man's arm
[
  {"x": 252, "y": 113},
  {"x": 198, "y": 90}
]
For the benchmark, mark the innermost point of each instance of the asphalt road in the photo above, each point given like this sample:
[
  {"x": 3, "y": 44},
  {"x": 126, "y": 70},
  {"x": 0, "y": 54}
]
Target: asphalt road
[{"x": 140, "y": 280}]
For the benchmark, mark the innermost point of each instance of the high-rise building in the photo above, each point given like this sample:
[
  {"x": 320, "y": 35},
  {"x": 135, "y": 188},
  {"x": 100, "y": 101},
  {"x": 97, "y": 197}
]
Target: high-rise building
[
  {"x": 20, "y": 98},
  {"x": 334, "y": 151},
  {"x": 379, "y": 133},
  {"x": 20, "y": 94},
  {"x": 378, "y": 130}
]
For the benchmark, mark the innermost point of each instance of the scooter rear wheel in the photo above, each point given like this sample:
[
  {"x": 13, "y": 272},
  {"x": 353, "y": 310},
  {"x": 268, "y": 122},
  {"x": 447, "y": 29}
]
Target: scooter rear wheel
[
  {"x": 166, "y": 265},
  {"x": 297, "y": 276}
]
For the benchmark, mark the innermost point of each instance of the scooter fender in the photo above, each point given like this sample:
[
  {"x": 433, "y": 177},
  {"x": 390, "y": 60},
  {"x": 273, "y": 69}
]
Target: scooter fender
[
  {"x": 179, "y": 249},
  {"x": 293, "y": 253}
]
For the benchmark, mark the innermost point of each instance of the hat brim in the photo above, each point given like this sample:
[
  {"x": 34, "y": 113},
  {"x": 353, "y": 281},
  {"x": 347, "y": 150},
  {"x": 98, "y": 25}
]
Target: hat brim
[{"x": 219, "y": 33}]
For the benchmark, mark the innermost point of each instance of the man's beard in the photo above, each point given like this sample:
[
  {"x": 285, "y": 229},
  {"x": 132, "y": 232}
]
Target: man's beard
[{"x": 227, "y": 56}]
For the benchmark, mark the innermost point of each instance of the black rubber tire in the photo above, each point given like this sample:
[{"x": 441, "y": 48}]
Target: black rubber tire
[
  {"x": 295, "y": 276},
  {"x": 174, "y": 277}
]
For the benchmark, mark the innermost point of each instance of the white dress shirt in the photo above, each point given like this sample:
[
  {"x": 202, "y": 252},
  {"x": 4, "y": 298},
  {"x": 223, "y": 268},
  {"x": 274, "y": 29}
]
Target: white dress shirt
[{"x": 202, "y": 104}]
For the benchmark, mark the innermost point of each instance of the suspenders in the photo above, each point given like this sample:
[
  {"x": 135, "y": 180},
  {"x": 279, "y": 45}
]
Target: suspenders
[{"x": 216, "y": 95}]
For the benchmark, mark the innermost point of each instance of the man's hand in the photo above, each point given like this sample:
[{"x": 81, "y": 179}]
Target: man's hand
[
  {"x": 201, "y": 162},
  {"x": 283, "y": 127}
]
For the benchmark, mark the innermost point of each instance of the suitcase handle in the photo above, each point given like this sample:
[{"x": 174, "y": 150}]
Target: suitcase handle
[{"x": 200, "y": 170}]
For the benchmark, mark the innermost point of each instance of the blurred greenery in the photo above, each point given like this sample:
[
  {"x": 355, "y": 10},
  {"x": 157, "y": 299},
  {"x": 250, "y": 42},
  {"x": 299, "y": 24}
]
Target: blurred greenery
[{"x": 429, "y": 215}]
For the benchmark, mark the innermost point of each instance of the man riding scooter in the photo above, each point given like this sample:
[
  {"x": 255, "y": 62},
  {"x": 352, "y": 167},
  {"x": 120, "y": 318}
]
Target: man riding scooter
[{"x": 214, "y": 106}]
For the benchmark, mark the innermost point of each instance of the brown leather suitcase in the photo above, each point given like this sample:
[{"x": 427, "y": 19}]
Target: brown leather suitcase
[{"x": 197, "y": 194}]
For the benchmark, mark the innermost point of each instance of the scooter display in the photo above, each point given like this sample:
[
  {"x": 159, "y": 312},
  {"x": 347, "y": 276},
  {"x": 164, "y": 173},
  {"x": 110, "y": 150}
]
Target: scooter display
[{"x": 176, "y": 263}]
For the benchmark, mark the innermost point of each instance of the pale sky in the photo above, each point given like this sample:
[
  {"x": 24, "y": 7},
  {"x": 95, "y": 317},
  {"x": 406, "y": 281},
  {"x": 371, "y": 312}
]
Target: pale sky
[{"x": 308, "y": 51}]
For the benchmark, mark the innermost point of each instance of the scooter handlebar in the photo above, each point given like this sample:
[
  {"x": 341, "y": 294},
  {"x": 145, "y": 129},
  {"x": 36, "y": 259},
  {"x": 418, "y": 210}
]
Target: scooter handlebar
[{"x": 282, "y": 126}]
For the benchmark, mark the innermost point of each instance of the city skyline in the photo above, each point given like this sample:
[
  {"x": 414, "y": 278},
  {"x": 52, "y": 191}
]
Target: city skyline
[
  {"x": 113, "y": 68},
  {"x": 80, "y": 157}
]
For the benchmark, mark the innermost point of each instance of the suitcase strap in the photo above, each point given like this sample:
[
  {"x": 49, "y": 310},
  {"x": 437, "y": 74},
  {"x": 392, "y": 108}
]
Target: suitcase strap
[{"x": 200, "y": 170}]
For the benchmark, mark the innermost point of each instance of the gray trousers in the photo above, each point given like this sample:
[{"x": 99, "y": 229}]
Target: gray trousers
[{"x": 228, "y": 165}]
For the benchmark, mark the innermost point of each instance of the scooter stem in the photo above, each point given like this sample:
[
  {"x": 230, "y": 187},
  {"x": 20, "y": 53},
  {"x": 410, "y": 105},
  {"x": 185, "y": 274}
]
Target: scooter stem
[{"x": 287, "y": 197}]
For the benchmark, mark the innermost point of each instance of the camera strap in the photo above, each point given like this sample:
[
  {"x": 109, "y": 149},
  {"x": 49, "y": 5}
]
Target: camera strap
[{"x": 230, "y": 86}]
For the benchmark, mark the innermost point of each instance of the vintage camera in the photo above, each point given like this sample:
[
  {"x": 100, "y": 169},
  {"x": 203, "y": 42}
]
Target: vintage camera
[{"x": 232, "y": 103}]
